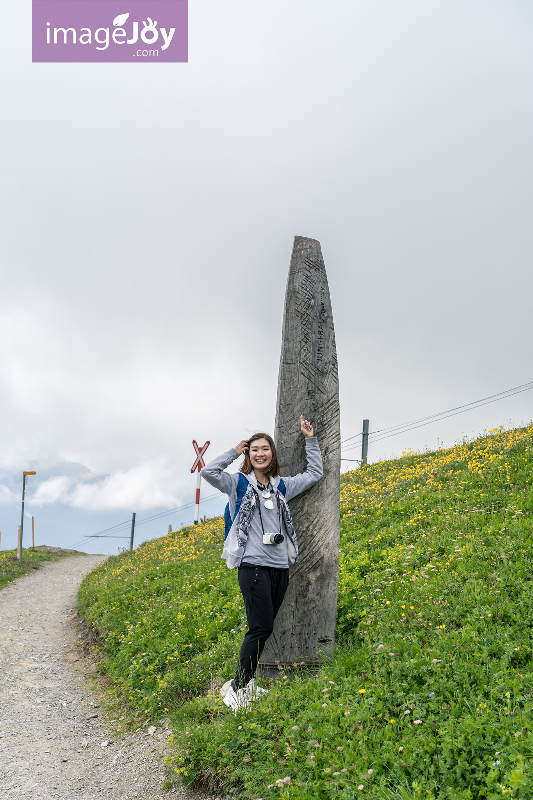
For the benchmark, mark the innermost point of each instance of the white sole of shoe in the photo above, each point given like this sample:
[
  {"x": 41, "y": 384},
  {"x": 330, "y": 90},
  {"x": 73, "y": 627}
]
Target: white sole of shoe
[
  {"x": 235, "y": 701},
  {"x": 231, "y": 701}
]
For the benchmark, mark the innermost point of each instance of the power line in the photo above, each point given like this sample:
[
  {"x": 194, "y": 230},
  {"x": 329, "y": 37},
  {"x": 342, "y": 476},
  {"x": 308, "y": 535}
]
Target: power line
[
  {"x": 118, "y": 525},
  {"x": 498, "y": 396},
  {"x": 491, "y": 398},
  {"x": 351, "y": 437},
  {"x": 179, "y": 508},
  {"x": 452, "y": 412},
  {"x": 452, "y": 415},
  {"x": 103, "y": 535},
  {"x": 127, "y": 523}
]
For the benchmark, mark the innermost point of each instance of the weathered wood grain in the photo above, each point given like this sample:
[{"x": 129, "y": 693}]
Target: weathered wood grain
[{"x": 308, "y": 384}]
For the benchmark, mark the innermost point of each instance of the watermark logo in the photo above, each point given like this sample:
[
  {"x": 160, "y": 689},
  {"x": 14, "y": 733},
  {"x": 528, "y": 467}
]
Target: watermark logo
[{"x": 94, "y": 31}]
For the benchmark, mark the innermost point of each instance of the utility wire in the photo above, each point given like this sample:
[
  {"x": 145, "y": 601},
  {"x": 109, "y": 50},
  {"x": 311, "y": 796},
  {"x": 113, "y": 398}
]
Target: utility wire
[
  {"x": 492, "y": 398},
  {"x": 179, "y": 508},
  {"x": 379, "y": 438},
  {"x": 479, "y": 405},
  {"x": 351, "y": 437},
  {"x": 103, "y": 535},
  {"x": 118, "y": 525},
  {"x": 124, "y": 525},
  {"x": 444, "y": 414},
  {"x": 452, "y": 412},
  {"x": 498, "y": 396}
]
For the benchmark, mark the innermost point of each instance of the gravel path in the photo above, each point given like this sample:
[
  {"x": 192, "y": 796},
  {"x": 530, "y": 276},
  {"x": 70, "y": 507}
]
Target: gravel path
[{"x": 53, "y": 743}]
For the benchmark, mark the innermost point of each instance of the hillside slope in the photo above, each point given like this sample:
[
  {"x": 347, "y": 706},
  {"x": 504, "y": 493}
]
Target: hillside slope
[{"x": 430, "y": 690}]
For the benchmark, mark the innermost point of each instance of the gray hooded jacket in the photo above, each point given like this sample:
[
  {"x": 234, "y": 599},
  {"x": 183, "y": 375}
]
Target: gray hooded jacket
[{"x": 245, "y": 538}]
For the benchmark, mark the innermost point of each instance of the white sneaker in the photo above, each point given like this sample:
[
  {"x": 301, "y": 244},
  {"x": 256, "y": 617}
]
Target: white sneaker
[
  {"x": 253, "y": 691},
  {"x": 224, "y": 689},
  {"x": 236, "y": 699}
]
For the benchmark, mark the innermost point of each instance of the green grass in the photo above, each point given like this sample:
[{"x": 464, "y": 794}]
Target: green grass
[
  {"x": 11, "y": 569},
  {"x": 430, "y": 691},
  {"x": 169, "y": 617}
]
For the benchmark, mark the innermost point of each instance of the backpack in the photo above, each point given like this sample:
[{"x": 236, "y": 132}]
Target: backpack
[{"x": 242, "y": 486}]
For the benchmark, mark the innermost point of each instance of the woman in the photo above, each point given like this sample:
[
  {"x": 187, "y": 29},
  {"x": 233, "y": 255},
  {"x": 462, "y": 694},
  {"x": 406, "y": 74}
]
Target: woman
[{"x": 261, "y": 542}]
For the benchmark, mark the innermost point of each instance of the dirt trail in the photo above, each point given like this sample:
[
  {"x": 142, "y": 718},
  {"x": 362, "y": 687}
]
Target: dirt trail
[{"x": 53, "y": 743}]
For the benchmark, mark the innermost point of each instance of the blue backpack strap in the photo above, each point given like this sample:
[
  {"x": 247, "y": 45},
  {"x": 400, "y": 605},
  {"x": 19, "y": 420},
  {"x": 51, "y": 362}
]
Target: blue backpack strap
[
  {"x": 281, "y": 487},
  {"x": 242, "y": 485},
  {"x": 227, "y": 521}
]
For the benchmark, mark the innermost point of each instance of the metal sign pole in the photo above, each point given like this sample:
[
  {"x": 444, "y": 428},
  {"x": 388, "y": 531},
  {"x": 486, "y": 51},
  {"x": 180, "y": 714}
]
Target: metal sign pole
[
  {"x": 132, "y": 530},
  {"x": 198, "y": 464},
  {"x": 364, "y": 448},
  {"x": 22, "y": 517},
  {"x": 197, "y": 506},
  {"x": 24, "y": 478}
]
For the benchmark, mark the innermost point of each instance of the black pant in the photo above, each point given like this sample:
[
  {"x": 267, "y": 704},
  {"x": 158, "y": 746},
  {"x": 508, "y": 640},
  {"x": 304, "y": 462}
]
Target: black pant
[{"x": 263, "y": 590}]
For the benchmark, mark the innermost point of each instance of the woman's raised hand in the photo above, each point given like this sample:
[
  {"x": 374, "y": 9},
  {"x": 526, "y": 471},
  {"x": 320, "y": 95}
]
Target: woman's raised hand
[
  {"x": 306, "y": 428},
  {"x": 242, "y": 447}
]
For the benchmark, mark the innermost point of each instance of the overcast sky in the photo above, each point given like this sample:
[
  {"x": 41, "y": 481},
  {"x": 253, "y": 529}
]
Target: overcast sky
[{"x": 146, "y": 226}]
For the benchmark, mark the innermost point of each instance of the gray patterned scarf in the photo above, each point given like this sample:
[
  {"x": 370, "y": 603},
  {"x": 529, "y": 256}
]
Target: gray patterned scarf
[{"x": 246, "y": 512}]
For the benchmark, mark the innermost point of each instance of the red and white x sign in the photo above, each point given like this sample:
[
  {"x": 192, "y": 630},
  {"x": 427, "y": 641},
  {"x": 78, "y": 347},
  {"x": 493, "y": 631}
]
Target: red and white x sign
[{"x": 199, "y": 463}]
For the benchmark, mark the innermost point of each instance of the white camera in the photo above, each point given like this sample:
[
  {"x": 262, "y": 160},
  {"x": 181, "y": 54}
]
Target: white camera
[{"x": 273, "y": 538}]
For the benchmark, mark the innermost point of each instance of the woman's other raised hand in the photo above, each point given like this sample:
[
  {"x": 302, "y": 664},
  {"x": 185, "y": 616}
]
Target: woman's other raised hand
[
  {"x": 306, "y": 428},
  {"x": 242, "y": 447}
]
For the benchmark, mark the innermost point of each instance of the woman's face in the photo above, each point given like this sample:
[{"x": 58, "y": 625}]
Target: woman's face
[{"x": 260, "y": 454}]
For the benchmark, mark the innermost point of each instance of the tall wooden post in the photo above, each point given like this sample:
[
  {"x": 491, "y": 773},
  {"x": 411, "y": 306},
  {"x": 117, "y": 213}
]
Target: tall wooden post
[{"x": 308, "y": 384}]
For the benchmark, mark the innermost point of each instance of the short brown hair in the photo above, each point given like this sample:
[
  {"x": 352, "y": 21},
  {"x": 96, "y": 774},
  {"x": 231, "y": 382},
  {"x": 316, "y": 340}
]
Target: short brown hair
[{"x": 273, "y": 467}]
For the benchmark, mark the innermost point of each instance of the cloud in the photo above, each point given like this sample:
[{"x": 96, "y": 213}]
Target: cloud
[
  {"x": 142, "y": 299},
  {"x": 145, "y": 486},
  {"x": 7, "y": 496},
  {"x": 54, "y": 490},
  {"x": 149, "y": 485}
]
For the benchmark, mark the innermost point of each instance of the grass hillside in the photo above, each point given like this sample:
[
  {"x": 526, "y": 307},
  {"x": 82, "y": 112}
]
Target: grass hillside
[{"x": 430, "y": 692}]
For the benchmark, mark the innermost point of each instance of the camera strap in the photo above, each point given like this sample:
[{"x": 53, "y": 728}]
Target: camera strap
[{"x": 260, "y": 514}]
